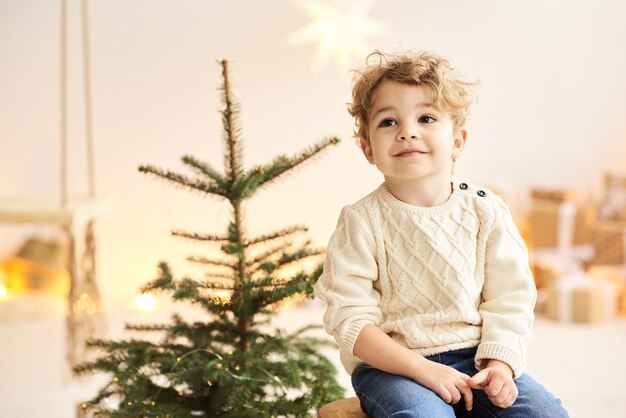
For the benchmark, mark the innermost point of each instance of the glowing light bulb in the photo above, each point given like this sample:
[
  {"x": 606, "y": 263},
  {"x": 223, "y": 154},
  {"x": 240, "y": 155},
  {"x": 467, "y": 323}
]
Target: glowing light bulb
[{"x": 146, "y": 302}]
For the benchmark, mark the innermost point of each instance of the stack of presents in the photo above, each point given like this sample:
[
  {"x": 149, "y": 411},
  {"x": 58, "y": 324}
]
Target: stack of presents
[{"x": 578, "y": 252}]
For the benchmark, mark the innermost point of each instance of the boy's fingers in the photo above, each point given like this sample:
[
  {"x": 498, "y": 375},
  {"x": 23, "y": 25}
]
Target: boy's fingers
[
  {"x": 479, "y": 379},
  {"x": 468, "y": 396},
  {"x": 455, "y": 394},
  {"x": 502, "y": 396},
  {"x": 495, "y": 386},
  {"x": 511, "y": 400},
  {"x": 504, "y": 399},
  {"x": 501, "y": 403},
  {"x": 456, "y": 397},
  {"x": 512, "y": 397},
  {"x": 444, "y": 394}
]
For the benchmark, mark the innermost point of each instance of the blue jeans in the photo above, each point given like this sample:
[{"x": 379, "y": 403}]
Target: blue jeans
[{"x": 387, "y": 395}]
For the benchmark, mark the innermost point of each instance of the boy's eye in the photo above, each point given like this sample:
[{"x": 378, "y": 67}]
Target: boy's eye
[
  {"x": 388, "y": 122},
  {"x": 426, "y": 119}
]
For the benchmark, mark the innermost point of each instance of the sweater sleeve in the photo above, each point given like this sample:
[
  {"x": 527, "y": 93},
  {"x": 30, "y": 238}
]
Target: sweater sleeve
[
  {"x": 347, "y": 283},
  {"x": 508, "y": 295}
]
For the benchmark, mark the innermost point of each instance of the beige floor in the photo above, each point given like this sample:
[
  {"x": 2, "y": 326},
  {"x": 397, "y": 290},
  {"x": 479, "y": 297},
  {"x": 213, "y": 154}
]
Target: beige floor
[{"x": 584, "y": 365}]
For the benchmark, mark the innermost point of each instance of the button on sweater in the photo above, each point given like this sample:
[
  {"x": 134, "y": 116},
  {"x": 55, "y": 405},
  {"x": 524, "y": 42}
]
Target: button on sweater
[{"x": 433, "y": 278}]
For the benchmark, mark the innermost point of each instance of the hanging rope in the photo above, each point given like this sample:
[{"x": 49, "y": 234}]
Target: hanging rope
[
  {"x": 84, "y": 297},
  {"x": 88, "y": 260},
  {"x": 91, "y": 188},
  {"x": 87, "y": 98},
  {"x": 63, "y": 108}
]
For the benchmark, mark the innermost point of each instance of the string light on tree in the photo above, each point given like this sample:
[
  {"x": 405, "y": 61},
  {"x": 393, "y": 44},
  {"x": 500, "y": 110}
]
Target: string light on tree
[
  {"x": 340, "y": 28},
  {"x": 222, "y": 297}
]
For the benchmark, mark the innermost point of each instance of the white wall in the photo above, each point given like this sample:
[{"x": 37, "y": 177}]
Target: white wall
[{"x": 552, "y": 108}]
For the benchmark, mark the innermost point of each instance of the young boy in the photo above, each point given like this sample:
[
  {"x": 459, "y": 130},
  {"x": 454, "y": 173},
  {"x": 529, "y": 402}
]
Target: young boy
[{"x": 428, "y": 290}]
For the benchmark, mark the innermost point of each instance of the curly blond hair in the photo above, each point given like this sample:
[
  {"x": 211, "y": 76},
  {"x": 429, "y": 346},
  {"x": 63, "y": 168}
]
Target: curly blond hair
[{"x": 450, "y": 92}]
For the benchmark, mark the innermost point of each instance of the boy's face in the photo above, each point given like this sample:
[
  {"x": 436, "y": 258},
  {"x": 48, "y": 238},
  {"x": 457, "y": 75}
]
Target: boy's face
[{"x": 409, "y": 138}]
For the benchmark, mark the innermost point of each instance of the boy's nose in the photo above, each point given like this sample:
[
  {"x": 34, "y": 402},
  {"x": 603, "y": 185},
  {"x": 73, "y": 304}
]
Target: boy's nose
[
  {"x": 405, "y": 136},
  {"x": 408, "y": 131}
]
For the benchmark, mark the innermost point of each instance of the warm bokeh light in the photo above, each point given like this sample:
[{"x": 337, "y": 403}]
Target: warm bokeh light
[
  {"x": 146, "y": 302},
  {"x": 3, "y": 291},
  {"x": 222, "y": 297},
  {"x": 293, "y": 301},
  {"x": 21, "y": 276},
  {"x": 85, "y": 304}
]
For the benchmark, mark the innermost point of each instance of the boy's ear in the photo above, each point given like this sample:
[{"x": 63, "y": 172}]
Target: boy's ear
[
  {"x": 366, "y": 147},
  {"x": 460, "y": 138}
]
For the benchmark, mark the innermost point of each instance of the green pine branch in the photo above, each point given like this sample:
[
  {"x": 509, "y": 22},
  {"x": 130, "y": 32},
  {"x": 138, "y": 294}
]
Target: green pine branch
[
  {"x": 205, "y": 169},
  {"x": 264, "y": 175},
  {"x": 217, "y": 334},
  {"x": 214, "y": 275},
  {"x": 164, "y": 281},
  {"x": 254, "y": 264},
  {"x": 199, "y": 237},
  {"x": 280, "y": 234},
  {"x": 264, "y": 296},
  {"x": 209, "y": 187},
  {"x": 234, "y": 150},
  {"x": 288, "y": 258},
  {"x": 211, "y": 261}
]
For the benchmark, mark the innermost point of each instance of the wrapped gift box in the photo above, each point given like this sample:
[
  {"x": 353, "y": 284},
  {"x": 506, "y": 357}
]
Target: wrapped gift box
[
  {"x": 616, "y": 275},
  {"x": 609, "y": 242},
  {"x": 579, "y": 298},
  {"x": 560, "y": 224},
  {"x": 554, "y": 195},
  {"x": 588, "y": 304}
]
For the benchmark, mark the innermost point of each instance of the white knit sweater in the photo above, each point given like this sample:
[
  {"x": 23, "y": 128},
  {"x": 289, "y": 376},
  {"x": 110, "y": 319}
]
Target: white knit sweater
[{"x": 433, "y": 278}]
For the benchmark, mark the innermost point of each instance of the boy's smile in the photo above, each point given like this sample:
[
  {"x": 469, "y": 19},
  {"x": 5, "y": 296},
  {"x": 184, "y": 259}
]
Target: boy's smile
[
  {"x": 411, "y": 141},
  {"x": 409, "y": 152}
]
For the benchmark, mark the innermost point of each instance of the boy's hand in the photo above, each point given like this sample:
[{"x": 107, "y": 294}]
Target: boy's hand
[
  {"x": 497, "y": 381},
  {"x": 448, "y": 383}
]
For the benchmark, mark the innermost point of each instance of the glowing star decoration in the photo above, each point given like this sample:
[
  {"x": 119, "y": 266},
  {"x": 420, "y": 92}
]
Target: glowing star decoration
[
  {"x": 341, "y": 29},
  {"x": 146, "y": 302}
]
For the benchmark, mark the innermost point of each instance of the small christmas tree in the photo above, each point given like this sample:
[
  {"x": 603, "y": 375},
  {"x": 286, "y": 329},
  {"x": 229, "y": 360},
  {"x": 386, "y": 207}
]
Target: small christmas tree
[{"x": 229, "y": 365}]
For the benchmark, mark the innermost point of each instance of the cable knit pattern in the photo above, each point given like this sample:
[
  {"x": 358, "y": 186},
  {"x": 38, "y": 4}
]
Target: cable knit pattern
[{"x": 433, "y": 278}]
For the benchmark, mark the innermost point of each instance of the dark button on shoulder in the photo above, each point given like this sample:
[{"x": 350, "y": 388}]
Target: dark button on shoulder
[
  {"x": 463, "y": 186},
  {"x": 481, "y": 193}
]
